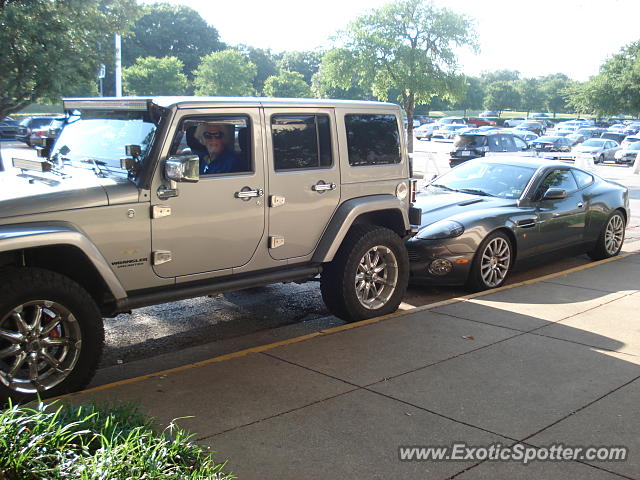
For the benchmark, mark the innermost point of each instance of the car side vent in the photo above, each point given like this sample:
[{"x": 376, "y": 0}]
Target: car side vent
[{"x": 470, "y": 202}]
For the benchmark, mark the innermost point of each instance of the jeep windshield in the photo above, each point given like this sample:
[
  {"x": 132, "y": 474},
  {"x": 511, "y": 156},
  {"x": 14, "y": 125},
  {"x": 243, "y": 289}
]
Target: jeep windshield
[{"x": 99, "y": 138}]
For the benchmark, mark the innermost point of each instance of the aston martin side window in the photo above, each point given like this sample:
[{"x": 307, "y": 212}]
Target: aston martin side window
[
  {"x": 558, "y": 179},
  {"x": 582, "y": 178}
]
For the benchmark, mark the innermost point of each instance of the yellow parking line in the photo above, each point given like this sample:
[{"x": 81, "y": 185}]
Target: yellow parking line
[{"x": 341, "y": 328}]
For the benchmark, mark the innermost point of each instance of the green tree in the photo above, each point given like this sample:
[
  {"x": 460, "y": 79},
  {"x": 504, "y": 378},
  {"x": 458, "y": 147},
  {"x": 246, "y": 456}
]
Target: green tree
[
  {"x": 265, "y": 62},
  {"x": 473, "y": 98},
  {"x": 330, "y": 81},
  {"x": 407, "y": 45},
  {"x": 616, "y": 88},
  {"x": 225, "y": 73},
  {"x": 501, "y": 95},
  {"x": 500, "y": 76},
  {"x": 155, "y": 76},
  {"x": 531, "y": 95},
  {"x": 51, "y": 46},
  {"x": 171, "y": 30},
  {"x": 555, "y": 88},
  {"x": 287, "y": 84},
  {"x": 306, "y": 63}
]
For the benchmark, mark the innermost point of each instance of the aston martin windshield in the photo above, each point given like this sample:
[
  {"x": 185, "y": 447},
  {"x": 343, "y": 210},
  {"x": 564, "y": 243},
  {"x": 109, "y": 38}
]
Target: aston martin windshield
[
  {"x": 100, "y": 138},
  {"x": 482, "y": 178}
]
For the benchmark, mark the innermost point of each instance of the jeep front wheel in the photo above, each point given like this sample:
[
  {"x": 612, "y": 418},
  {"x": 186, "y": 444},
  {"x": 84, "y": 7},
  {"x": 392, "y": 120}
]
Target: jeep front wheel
[
  {"x": 51, "y": 335},
  {"x": 368, "y": 276}
]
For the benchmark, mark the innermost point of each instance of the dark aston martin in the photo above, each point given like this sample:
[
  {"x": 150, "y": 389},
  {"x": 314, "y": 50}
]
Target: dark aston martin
[{"x": 482, "y": 216}]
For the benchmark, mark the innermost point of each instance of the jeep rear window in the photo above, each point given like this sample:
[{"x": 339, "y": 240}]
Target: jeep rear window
[
  {"x": 470, "y": 141},
  {"x": 301, "y": 141},
  {"x": 372, "y": 139}
]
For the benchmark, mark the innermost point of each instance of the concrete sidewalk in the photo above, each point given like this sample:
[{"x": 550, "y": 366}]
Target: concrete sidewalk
[{"x": 554, "y": 361}]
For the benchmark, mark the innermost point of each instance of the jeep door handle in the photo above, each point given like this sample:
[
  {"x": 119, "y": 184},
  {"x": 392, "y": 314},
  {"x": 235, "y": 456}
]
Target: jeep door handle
[
  {"x": 323, "y": 187},
  {"x": 247, "y": 193}
]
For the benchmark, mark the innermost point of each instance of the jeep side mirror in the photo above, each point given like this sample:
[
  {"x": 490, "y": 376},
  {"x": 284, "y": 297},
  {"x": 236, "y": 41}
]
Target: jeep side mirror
[
  {"x": 555, "y": 194},
  {"x": 182, "y": 168}
]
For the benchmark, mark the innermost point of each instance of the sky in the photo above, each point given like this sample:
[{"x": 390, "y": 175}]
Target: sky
[{"x": 534, "y": 37}]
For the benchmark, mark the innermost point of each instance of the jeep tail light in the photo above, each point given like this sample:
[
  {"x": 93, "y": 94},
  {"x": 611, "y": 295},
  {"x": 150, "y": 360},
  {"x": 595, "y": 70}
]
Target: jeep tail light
[{"x": 413, "y": 183}]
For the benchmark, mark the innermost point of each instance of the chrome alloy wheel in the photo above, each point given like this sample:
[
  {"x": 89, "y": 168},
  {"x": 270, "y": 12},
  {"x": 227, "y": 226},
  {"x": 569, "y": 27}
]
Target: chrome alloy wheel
[
  {"x": 376, "y": 277},
  {"x": 495, "y": 262},
  {"x": 614, "y": 235},
  {"x": 40, "y": 343}
]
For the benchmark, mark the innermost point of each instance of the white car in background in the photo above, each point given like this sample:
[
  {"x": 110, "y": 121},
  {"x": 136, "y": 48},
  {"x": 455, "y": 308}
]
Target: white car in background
[{"x": 513, "y": 122}]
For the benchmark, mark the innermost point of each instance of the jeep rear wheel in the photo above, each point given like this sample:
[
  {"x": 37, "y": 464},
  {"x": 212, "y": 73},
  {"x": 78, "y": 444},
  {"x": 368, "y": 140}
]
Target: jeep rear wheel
[
  {"x": 51, "y": 335},
  {"x": 368, "y": 276}
]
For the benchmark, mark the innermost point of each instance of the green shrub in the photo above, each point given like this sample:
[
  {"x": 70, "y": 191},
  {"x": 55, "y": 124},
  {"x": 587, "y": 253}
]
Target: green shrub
[{"x": 97, "y": 442}]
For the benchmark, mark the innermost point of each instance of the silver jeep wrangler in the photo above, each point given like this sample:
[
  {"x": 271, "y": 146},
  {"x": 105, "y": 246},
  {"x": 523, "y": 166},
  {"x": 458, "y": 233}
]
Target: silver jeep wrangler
[{"x": 148, "y": 200}]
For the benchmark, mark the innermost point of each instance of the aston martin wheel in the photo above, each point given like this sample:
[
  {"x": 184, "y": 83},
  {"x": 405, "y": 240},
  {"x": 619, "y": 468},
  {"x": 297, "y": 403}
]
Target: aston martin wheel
[
  {"x": 368, "y": 276},
  {"x": 51, "y": 335},
  {"x": 491, "y": 263},
  {"x": 611, "y": 238}
]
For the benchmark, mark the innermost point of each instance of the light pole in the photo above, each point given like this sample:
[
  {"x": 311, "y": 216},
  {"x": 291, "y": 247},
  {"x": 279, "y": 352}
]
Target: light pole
[{"x": 118, "y": 69}]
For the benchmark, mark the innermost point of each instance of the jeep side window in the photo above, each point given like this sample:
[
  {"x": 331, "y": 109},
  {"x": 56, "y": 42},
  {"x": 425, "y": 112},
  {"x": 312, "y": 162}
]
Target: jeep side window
[
  {"x": 301, "y": 141},
  {"x": 372, "y": 139},
  {"x": 223, "y": 143}
]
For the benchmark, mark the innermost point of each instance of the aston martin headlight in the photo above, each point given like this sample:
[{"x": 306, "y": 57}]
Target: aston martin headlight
[{"x": 440, "y": 230}]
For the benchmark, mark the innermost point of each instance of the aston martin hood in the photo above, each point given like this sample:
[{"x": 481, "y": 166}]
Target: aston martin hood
[{"x": 440, "y": 204}]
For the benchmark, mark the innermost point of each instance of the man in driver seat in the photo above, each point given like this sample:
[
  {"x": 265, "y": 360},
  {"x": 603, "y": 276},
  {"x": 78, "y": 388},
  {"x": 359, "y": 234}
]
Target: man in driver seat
[{"x": 218, "y": 157}]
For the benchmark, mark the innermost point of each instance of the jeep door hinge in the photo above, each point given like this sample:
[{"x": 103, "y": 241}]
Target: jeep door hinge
[
  {"x": 276, "y": 241},
  {"x": 161, "y": 256},
  {"x": 276, "y": 201},
  {"x": 159, "y": 211}
]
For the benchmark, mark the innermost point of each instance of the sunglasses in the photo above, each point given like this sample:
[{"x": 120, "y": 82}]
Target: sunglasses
[{"x": 210, "y": 135}]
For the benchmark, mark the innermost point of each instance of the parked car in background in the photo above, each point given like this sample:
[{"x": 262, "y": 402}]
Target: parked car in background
[
  {"x": 40, "y": 135},
  {"x": 590, "y": 132},
  {"x": 531, "y": 126},
  {"x": 488, "y": 113},
  {"x": 632, "y": 129},
  {"x": 481, "y": 122},
  {"x": 8, "y": 128},
  {"x": 615, "y": 136},
  {"x": 629, "y": 140},
  {"x": 29, "y": 124},
  {"x": 424, "y": 132},
  {"x": 450, "y": 120},
  {"x": 467, "y": 146},
  {"x": 628, "y": 154},
  {"x": 513, "y": 122},
  {"x": 483, "y": 216},
  {"x": 600, "y": 149},
  {"x": 576, "y": 138},
  {"x": 447, "y": 132},
  {"x": 551, "y": 144},
  {"x": 526, "y": 135}
]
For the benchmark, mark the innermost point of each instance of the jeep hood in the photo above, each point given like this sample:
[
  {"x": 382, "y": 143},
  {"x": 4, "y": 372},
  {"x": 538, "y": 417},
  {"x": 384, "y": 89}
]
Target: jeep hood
[{"x": 31, "y": 193}]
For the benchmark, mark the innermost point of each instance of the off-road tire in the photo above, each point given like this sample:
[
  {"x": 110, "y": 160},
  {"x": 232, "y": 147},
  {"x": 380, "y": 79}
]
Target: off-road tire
[
  {"x": 338, "y": 282},
  {"x": 496, "y": 248},
  {"x": 610, "y": 239},
  {"x": 31, "y": 287}
]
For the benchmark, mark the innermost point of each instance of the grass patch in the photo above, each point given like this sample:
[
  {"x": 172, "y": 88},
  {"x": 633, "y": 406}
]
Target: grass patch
[{"x": 50, "y": 442}]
